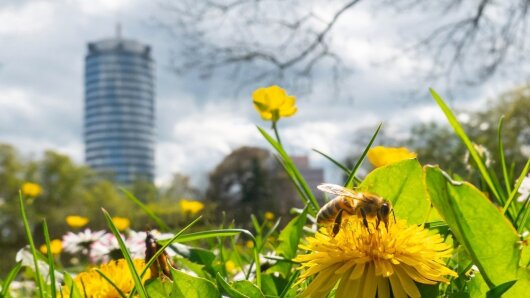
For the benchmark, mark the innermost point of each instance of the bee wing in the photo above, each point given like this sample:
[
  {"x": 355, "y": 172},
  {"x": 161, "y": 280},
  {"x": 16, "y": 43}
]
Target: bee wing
[{"x": 340, "y": 191}]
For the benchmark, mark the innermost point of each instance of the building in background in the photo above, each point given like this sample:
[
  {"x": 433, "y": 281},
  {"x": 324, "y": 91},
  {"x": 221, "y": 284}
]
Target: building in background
[{"x": 120, "y": 109}]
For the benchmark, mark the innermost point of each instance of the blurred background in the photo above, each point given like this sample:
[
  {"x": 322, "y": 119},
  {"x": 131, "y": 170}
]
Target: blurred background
[{"x": 155, "y": 96}]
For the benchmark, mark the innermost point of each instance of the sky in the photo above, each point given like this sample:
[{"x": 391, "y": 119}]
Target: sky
[{"x": 43, "y": 44}]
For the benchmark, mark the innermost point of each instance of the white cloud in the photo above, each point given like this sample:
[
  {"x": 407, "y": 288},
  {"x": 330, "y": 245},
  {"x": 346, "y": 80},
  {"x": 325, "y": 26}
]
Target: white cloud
[{"x": 30, "y": 18}]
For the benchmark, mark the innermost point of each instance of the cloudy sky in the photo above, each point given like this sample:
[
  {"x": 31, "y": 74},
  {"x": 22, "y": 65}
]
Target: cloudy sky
[{"x": 42, "y": 50}]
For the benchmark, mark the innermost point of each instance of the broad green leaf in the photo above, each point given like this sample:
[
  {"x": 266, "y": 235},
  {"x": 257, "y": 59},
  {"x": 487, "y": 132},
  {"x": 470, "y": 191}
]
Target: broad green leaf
[
  {"x": 268, "y": 285},
  {"x": 159, "y": 288},
  {"x": 402, "y": 184},
  {"x": 247, "y": 288},
  {"x": 477, "y": 286},
  {"x": 228, "y": 289},
  {"x": 477, "y": 224},
  {"x": 290, "y": 236},
  {"x": 188, "y": 286}
]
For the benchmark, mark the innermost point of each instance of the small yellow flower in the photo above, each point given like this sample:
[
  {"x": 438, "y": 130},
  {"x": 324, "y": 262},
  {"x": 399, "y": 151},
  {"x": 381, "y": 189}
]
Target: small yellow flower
[
  {"x": 230, "y": 266},
  {"x": 269, "y": 215},
  {"x": 121, "y": 223},
  {"x": 250, "y": 244},
  {"x": 76, "y": 221},
  {"x": 191, "y": 207},
  {"x": 30, "y": 189},
  {"x": 362, "y": 263},
  {"x": 93, "y": 285},
  {"x": 381, "y": 156},
  {"x": 56, "y": 247},
  {"x": 273, "y": 102}
]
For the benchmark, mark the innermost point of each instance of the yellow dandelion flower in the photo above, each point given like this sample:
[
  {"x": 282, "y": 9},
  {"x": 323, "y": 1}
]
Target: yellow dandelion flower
[
  {"x": 269, "y": 215},
  {"x": 94, "y": 285},
  {"x": 249, "y": 244},
  {"x": 191, "y": 207},
  {"x": 121, "y": 223},
  {"x": 30, "y": 189},
  {"x": 56, "y": 247},
  {"x": 272, "y": 103},
  {"x": 381, "y": 156},
  {"x": 76, "y": 221},
  {"x": 364, "y": 262}
]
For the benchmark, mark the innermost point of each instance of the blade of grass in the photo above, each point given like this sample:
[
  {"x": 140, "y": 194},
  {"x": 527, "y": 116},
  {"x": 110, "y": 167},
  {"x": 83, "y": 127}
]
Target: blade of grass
[
  {"x": 38, "y": 277},
  {"x": 467, "y": 142},
  {"x": 160, "y": 223},
  {"x": 290, "y": 164},
  {"x": 51, "y": 262},
  {"x": 502, "y": 157},
  {"x": 122, "y": 295},
  {"x": 289, "y": 283},
  {"x": 349, "y": 181},
  {"x": 292, "y": 178},
  {"x": 517, "y": 185},
  {"x": 9, "y": 278},
  {"x": 338, "y": 164},
  {"x": 520, "y": 220},
  {"x": 137, "y": 280}
]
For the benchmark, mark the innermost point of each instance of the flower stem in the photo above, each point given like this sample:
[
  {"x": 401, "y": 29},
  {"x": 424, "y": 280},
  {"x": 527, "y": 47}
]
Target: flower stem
[{"x": 275, "y": 128}]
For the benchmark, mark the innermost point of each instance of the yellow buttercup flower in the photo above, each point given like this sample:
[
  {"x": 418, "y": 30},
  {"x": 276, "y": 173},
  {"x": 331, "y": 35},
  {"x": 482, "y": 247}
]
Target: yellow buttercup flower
[
  {"x": 250, "y": 244},
  {"x": 230, "y": 266},
  {"x": 272, "y": 103},
  {"x": 76, "y": 221},
  {"x": 365, "y": 262},
  {"x": 269, "y": 215},
  {"x": 381, "y": 156},
  {"x": 95, "y": 286},
  {"x": 121, "y": 223},
  {"x": 191, "y": 207},
  {"x": 30, "y": 189},
  {"x": 56, "y": 247}
]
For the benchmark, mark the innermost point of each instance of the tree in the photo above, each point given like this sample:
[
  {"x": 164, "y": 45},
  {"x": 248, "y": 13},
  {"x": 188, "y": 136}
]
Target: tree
[
  {"x": 240, "y": 184},
  {"x": 263, "y": 41}
]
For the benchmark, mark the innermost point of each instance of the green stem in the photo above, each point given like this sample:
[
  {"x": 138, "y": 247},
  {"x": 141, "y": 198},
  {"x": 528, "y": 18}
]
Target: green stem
[{"x": 275, "y": 128}]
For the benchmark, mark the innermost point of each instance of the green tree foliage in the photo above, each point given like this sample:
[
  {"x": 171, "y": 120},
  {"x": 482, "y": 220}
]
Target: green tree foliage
[{"x": 242, "y": 184}]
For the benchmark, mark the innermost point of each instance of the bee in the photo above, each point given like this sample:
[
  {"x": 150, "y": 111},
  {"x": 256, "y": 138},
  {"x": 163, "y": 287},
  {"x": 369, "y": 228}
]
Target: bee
[{"x": 361, "y": 204}]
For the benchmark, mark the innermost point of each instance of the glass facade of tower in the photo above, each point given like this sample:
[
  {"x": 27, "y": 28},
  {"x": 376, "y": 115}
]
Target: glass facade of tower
[{"x": 119, "y": 109}]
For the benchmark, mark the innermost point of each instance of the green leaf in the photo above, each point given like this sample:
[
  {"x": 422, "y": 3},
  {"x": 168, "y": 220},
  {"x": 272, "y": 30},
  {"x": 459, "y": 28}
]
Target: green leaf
[
  {"x": 211, "y": 234},
  {"x": 228, "y": 289},
  {"x": 402, "y": 184},
  {"x": 159, "y": 288},
  {"x": 268, "y": 285},
  {"x": 51, "y": 263},
  {"x": 9, "y": 278},
  {"x": 247, "y": 288},
  {"x": 132, "y": 269},
  {"x": 160, "y": 223},
  {"x": 289, "y": 237},
  {"x": 499, "y": 290},
  {"x": 38, "y": 278},
  {"x": 188, "y": 286},
  {"x": 467, "y": 142},
  {"x": 349, "y": 181},
  {"x": 293, "y": 173},
  {"x": 69, "y": 283},
  {"x": 477, "y": 224}
]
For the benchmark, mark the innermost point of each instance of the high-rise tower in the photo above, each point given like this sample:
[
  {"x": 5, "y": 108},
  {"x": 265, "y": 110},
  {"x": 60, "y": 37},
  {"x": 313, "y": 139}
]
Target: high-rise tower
[{"x": 119, "y": 109}]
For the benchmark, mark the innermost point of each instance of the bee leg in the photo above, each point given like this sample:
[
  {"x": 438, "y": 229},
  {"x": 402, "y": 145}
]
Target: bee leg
[
  {"x": 393, "y": 214},
  {"x": 377, "y": 221},
  {"x": 365, "y": 222},
  {"x": 337, "y": 223}
]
